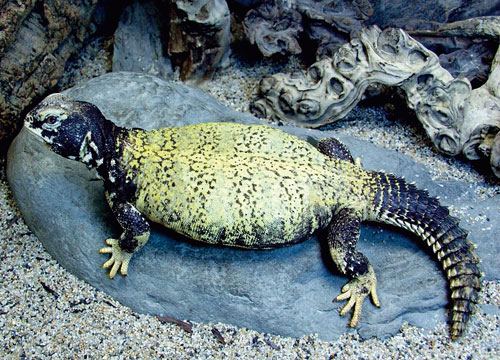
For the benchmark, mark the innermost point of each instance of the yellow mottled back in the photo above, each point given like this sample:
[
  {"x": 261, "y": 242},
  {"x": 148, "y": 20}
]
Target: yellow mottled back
[{"x": 240, "y": 185}]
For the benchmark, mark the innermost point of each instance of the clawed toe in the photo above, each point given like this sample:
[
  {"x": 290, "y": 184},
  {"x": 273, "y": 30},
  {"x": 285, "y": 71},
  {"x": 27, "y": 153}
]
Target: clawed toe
[
  {"x": 119, "y": 259},
  {"x": 356, "y": 291}
]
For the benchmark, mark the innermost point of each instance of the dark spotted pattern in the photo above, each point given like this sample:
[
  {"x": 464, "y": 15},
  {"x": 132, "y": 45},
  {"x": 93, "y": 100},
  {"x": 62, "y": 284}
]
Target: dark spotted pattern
[
  {"x": 247, "y": 186},
  {"x": 335, "y": 149}
]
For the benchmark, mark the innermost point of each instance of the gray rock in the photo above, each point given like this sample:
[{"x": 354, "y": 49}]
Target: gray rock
[
  {"x": 287, "y": 291},
  {"x": 138, "y": 41}
]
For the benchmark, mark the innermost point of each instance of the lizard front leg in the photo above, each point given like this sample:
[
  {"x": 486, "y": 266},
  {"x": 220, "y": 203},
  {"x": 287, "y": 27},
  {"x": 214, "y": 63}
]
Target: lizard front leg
[
  {"x": 135, "y": 235},
  {"x": 343, "y": 234}
]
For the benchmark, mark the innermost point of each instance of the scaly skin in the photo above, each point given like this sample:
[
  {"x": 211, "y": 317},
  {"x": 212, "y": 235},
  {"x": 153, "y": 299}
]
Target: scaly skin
[
  {"x": 253, "y": 187},
  {"x": 238, "y": 185}
]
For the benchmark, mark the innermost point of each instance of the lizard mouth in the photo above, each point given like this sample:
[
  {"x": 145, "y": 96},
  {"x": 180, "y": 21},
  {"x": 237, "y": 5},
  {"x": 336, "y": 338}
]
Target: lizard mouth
[{"x": 33, "y": 130}]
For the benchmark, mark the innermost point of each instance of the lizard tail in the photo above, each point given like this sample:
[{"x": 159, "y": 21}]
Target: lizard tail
[{"x": 401, "y": 204}]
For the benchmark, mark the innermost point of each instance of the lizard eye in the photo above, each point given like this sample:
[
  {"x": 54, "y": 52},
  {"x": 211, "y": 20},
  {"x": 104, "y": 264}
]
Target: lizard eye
[
  {"x": 50, "y": 122},
  {"x": 51, "y": 119}
]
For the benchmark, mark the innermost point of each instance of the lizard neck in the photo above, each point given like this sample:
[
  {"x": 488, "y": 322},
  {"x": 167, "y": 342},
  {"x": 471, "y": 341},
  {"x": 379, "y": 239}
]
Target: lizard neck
[
  {"x": 99, "y": 145},
  {"x": 119, "y": 186}
]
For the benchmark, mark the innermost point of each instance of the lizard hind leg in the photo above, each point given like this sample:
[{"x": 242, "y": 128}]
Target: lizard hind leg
[{"x": 342, "y": 235}]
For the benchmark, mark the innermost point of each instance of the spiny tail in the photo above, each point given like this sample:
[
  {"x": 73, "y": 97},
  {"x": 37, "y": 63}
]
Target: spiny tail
[{"x": 402, "y": 204}]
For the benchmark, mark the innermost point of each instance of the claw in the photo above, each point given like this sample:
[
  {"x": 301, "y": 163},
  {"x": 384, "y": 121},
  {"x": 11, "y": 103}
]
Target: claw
[
  {"x": 356, "y": 291},
  {"x": 119, "y": 259}
]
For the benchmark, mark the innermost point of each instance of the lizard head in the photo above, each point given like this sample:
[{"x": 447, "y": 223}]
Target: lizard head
[{"x": 67, "y": 126}]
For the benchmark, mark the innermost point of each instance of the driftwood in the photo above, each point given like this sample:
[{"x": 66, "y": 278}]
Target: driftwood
[
  {"x": 317, "y": 29},
  {"x": 199, "y": 37},
  {"x": 456, "y": 118},
  {"x": 274, "y": 27}
]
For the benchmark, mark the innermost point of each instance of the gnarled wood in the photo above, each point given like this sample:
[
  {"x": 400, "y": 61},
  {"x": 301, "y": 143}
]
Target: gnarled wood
[
  {"x": 456, "y": 118},
  {"x": 198, "y": 37}
]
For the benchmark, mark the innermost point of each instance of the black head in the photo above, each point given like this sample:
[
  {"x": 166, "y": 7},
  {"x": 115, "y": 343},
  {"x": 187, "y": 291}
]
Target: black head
[{"x": 70, "y": 128}]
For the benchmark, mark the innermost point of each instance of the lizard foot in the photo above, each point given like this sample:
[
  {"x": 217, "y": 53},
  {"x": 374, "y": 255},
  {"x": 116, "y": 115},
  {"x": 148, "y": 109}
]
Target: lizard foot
[
  {"x": 356, "y": 291},
  {"x": 119, "y": 259}
]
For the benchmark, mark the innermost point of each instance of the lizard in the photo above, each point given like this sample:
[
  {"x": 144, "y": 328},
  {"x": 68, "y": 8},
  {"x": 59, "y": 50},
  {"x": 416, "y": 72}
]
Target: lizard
[{"x": 254, "y": 187}]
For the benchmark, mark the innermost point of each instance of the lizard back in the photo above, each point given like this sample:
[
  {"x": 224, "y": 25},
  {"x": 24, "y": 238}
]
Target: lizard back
[{"x": 238, "y": 185}]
